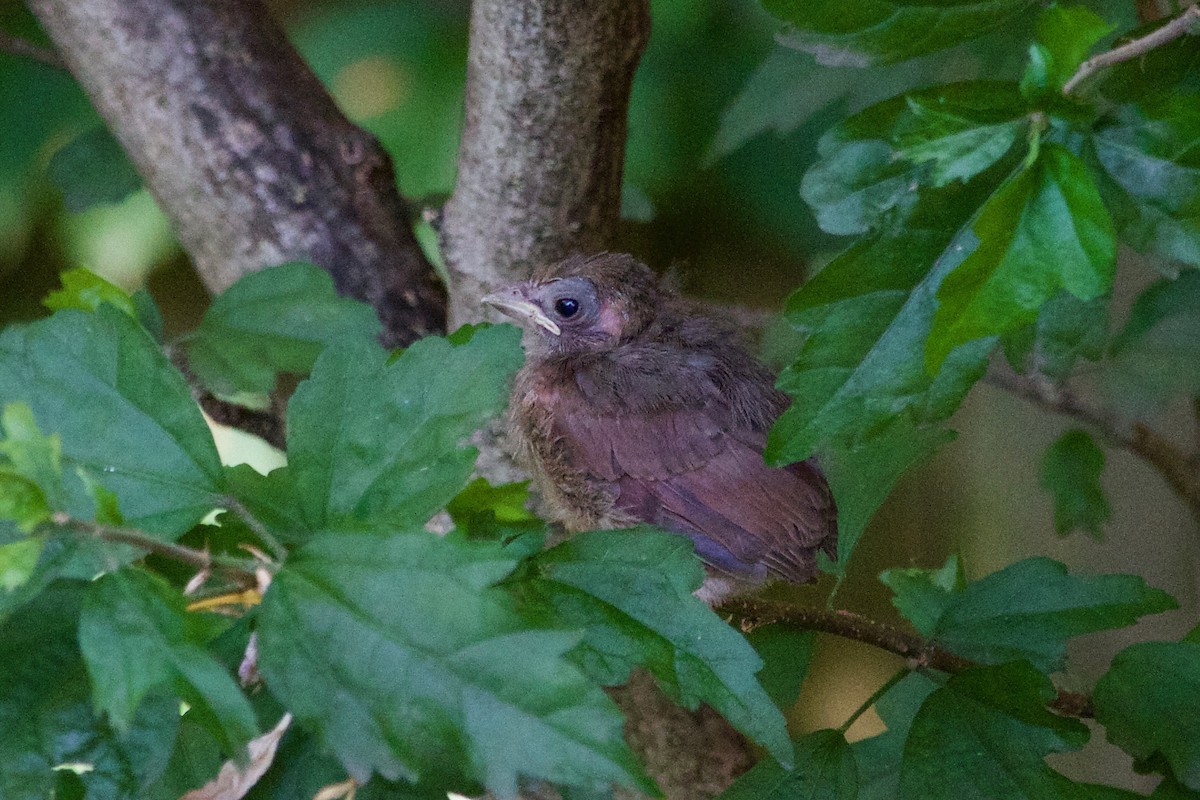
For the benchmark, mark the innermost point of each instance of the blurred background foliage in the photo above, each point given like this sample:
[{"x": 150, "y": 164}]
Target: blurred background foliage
[{"x": 724, "y": 122}]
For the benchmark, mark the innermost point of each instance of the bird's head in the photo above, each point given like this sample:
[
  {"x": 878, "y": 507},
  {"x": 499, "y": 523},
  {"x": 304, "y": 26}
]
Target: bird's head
[{"x": 582, "y": 304}]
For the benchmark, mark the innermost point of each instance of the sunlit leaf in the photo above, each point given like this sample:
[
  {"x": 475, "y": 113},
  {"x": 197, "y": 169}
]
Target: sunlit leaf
[{"x": 85, "y": 290}]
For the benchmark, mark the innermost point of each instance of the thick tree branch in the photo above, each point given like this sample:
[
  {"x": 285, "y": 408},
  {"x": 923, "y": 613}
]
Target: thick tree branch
[
  {"x": 1179, "y": 468},
  {"x": 24, "y": 48},
  {"x": 245, "y": 150},
  {"x": 542, "y": 152},
  {"x": 753, "y": 613},
  {"x": 1172, "y": 30}
]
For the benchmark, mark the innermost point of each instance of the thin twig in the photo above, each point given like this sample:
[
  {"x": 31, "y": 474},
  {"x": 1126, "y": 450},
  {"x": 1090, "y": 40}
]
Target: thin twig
[
  {"x": 873, "y": 699},
  {"x": 919, "y": 653},
  {"x": 238, "y": 508},
  {"x": 243, "y": 570},
  {"x": 1130, "y": 50},
  {"x": 27, "y": 49},
  {"x": 1177, "y": 467}
]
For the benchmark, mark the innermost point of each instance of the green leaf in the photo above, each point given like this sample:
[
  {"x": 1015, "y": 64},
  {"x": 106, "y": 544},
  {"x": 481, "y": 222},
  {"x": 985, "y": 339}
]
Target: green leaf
[
  {"x": 923, "y": 595},
  {"x": 1028, "y": 611},
  {"x": 986, "y": 733},
  {"x": 18, "y": 559},
  {"x": 824, "y": 770},
  {"x": 1169, "y": 69},
  {"x": 93, "y": 170},
  {"x": 1157, "y": 355},
  {"x": 785, "y": 653},
  {"x": 1043, "y": 231},
  {"x": 1067, "y": 329},
  {"x": 498, "y": 511},
  {"x": 885, "y": 31},
  {"x": 1071, "y": 472},
  {"x": 862, "y": 475},
  {"x": 23, "y": 502},
  {"x": 957, "y": 146},
  {"x": 1149, "y": 704},
  {"x": 85, "y": 290},
  {"x": 47, "y": 718},
  {"x": 867, "y": 316},
  {"x": 271, "y": 499},
  {"x": 135, "y": 638},
  {"x": 1065, "y": 35},
  {"x": 631, "y": 592},
  {"x": 455, "y": 679},
  {"x": 1151, "y": 175},
  {"x": 31, "y": 454},
  {"x": 872, "y": 163},
  {"x": 275, "y": 320},
  {"x": 123, "y": 412},
  {"x": 879, "y": 757},
  {"x": 378, "y": 440}
]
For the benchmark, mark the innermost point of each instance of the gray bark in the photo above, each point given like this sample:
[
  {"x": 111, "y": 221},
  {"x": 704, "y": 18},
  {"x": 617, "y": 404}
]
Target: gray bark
[
  {"x": 543, "y": 145},
  {"x": 245, "y": 150}
]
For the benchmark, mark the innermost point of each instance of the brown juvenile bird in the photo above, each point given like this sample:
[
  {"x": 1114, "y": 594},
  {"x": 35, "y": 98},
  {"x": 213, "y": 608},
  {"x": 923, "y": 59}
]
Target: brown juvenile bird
[{"x": 633, "y": 407}]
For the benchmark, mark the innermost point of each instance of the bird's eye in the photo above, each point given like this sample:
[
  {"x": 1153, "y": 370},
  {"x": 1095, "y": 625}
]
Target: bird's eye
[{"x": 566, "y": 307}]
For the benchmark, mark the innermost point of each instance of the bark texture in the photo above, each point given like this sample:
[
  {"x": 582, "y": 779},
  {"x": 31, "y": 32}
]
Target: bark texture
[
  {"x": 543, "y": 146},
  {"x": 245, "y": 150}
]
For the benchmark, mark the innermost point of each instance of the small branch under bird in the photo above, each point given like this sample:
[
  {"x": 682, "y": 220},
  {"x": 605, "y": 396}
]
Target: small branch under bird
[{"x": 633, "y": 407}]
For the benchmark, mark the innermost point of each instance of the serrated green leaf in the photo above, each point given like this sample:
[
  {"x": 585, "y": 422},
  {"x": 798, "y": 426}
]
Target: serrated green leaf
[
  {"x": 957, "y": 146},
  {"x": 135, "y": 637},
  {"x": 867, "y": 316},
  {"x": 1071, "y": 472},
  {"x": 18, "y": 559},
  {"x": 631, "y": 593},
  {"x": 1151, "y": 174},
  {"x": 1043, "y": 231},
  {"x": 93, "y": 169},
  {"x": 122, "y": 411},
  {"x": 274, "y": 320},
  {"x": 456, "y": 679},
  {"x": 879, "y": 757},
  {"x": 85, "y": 290},
  {"x": 376, "y": 440},
  {"x": 271, "y": 498},
  {"x": 885, "y": 31},
  {"x": 1065, "y": 35},
  {"x": 1149, "y": 703},
  {"x": 872, "y": 163},
  {"x": 1028, "y": 611},
  {"x": 986, "y": 733},
  {"x": 824, "y": 770},
  {"x": 923, "y": 595},
  {"x": 46, "y": 712}
]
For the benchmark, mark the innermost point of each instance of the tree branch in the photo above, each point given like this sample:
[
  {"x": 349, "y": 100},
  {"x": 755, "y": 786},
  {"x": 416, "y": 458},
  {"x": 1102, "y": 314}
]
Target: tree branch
[
  {"x": 245, "y": 150},
  {"x": 1179, "y": 468},
  {"x": 1130, "y": 50},
  {"x": 240, "y": 569},
  {"x": 543, "y": 145},
  {"x": 24, "y": 48},
  {"x": 754, "y": 613}
]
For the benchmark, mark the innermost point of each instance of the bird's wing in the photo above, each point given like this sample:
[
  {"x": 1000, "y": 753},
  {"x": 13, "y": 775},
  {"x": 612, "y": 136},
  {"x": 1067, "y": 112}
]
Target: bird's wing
[{"x": 683, "y": 457}]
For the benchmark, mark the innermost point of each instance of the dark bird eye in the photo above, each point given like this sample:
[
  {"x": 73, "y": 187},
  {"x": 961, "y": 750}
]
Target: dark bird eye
[{"x": 566, "y": 307}]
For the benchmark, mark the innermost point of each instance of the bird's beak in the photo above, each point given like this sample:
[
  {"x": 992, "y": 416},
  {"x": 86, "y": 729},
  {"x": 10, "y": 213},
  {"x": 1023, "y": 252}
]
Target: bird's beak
[{"x": 512, "y": 301}]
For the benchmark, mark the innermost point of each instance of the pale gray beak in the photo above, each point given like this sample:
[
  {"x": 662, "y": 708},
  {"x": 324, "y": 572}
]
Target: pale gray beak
[{"x": 512, "y": 301}]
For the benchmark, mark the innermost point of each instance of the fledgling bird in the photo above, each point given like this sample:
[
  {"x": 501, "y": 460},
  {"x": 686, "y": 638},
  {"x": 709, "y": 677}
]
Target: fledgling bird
[{"x": 634, "y": 407}]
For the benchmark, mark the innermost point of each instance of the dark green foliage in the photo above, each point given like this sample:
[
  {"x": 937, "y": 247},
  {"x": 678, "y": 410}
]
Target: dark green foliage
[
  {"x": 1071, "y": 472},
  {"x": 275, "y": 320},
  {"x": 986, "y": 212},
  {"x": 1149, "y": 703}
]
